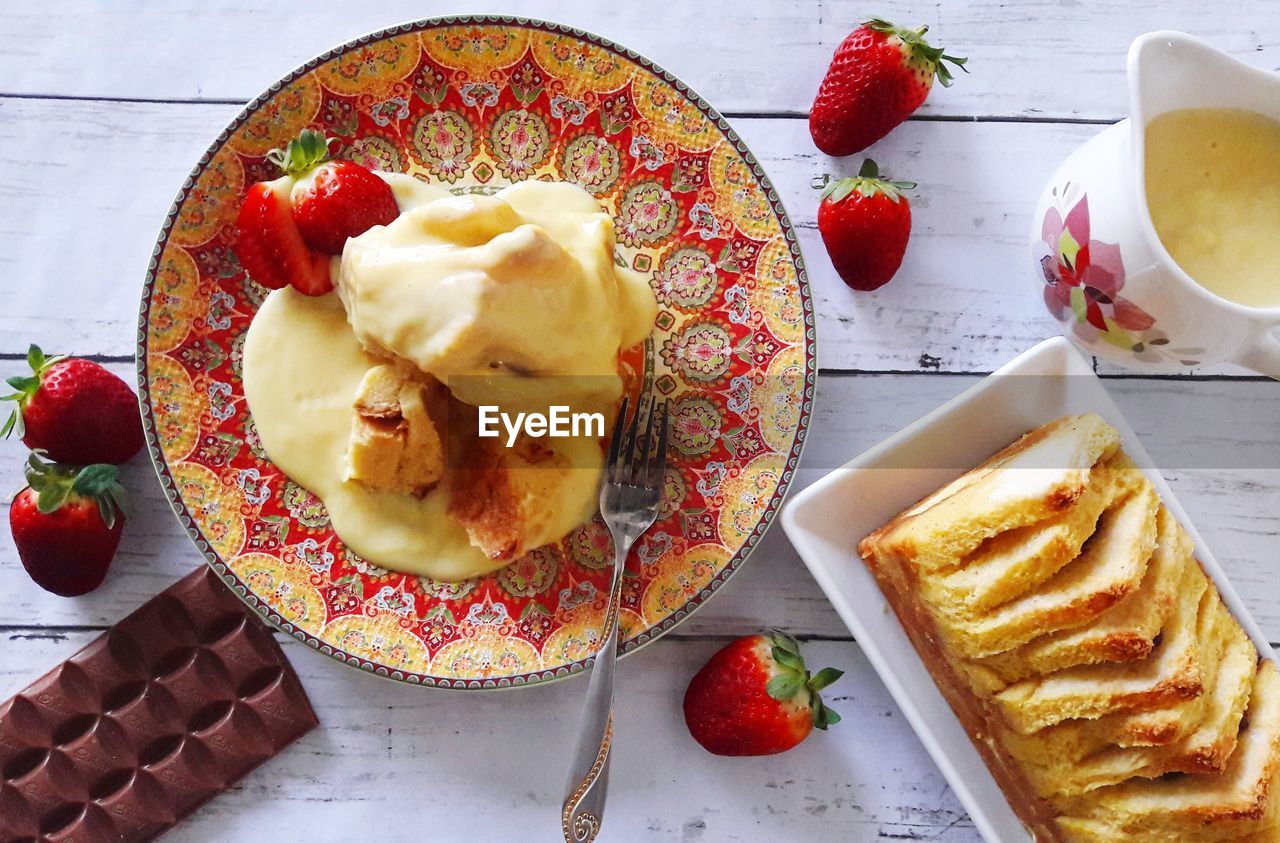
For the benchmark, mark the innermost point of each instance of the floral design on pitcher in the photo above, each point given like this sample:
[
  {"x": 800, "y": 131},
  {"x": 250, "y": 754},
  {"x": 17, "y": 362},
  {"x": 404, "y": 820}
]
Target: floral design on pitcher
[{"x": 1083, "y": 279}]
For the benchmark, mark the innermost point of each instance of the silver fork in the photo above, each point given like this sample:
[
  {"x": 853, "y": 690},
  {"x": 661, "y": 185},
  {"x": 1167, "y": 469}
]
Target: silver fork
[{"x": 629, "y": 500}]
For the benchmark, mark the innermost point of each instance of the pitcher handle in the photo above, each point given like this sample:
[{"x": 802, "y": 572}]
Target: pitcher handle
[{"x": 1263, "y": 356}]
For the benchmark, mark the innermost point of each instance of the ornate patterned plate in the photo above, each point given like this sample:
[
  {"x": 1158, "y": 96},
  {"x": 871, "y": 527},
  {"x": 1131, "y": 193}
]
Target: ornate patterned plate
[{"x": 474, "y": 103}]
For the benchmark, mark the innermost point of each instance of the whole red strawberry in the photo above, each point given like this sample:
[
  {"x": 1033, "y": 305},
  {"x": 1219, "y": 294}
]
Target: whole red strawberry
[
  {"x": 879, "y": 75},
  {"x": 340, "y": 199},
  {"x": 66, "y": 525},
  {"x": 332, "y": 200},
  {"x": 75, "y": 410},
  {"x": 755, "y": 697},
  {"x": 865, "y": 223}
]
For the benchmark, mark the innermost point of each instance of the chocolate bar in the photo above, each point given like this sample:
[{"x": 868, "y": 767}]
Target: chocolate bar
[{"x": 168, "y": 708}]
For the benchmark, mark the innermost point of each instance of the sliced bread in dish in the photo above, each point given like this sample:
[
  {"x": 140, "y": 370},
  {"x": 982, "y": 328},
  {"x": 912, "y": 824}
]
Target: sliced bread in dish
[
  {"x": 1109, "y": 568},
  {"x": 1038, "y": 477},
  {"x": 1172, "y": 672},
  {"x": 1231, "y": 805},
  {"x": 1126, "y": 632},
  {"x": 1206, "y": 747},
  {"x": 1015, "y": 561}
]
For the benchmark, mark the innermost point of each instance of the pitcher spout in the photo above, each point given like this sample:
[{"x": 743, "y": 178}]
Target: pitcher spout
[{"x": 1171, "y": 70}]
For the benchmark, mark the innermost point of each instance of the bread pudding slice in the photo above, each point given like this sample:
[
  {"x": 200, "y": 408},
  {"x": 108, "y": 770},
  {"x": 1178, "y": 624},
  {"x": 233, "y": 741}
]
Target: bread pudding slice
[
  {"x": 1071, "y": 741},
  {"x": 1231, "y": 805},
  {"x": 1125, "y": 632},
  {"x": 1038, "y": 477},
  {"x": 1110, "y": 567},
  {"x": 395, "y": 445},
  {"x": 1015, "y": 561},
  {"x": 1172, "y": 672},
  {"x": 1205, "y": 748}
]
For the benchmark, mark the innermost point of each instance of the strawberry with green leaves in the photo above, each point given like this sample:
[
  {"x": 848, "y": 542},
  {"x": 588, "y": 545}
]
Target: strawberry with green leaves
[
  {"x": 865, "y": 223},
  {"x": 66, "y": 525},
  {"x": 75, "y": 410},
  {"x": 878, "y": 77},
  {"x": 289, "y": 228},
  {"x": 756, "y": 697},
  {"x": 332, "y": 200}
]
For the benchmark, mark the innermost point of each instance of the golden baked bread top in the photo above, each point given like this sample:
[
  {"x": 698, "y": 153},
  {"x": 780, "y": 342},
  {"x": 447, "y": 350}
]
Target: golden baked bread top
[
  {"x": 1064, "y": 615},
  {"x": 1037, "y": 477},
  {"x": 1228, "y": 806}
]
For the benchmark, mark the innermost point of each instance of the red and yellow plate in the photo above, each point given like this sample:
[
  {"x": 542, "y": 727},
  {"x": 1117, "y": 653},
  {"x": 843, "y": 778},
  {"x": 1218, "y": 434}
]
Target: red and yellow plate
[{"x": 474, "y": 103}]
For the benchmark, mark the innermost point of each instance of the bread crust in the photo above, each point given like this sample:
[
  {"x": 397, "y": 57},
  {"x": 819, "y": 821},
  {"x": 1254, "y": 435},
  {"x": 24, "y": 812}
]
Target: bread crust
[
  {"x": 1053, "y": 464},
  {"x": 1084, "y": 689}
]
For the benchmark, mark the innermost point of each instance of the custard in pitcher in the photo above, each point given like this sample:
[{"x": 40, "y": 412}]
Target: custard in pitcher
[{"x": 1213, "y": 189}]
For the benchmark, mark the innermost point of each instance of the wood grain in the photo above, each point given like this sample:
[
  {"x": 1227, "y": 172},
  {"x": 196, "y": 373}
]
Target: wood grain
[
  {"x": 1224, "y": 467},
  {"x": 104, "y": 108},
  {"x": 424, "y": 764},
  {"x": 1034, "y": 59},
  {"x": 966, "y": 298}
]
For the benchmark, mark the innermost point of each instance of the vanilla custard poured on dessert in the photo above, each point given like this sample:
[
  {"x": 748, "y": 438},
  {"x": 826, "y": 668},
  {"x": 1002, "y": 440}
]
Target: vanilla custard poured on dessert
[
  {"x": 511, "y": 300},
  {"x": 1213, "y": 190}
]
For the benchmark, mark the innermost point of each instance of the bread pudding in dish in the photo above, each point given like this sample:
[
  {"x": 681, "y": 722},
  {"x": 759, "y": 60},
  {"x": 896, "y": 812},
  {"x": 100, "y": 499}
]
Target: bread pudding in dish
[{"x": 1063, "y": 614}]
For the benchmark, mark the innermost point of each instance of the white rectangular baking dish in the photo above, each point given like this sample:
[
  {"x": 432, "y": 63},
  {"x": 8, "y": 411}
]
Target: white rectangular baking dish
[{"x": 826, "y": 521}]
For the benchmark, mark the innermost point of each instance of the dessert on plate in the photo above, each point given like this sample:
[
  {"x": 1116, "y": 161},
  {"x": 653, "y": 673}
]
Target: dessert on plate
[
  {"x": 1062, "y": 612},
  {"x": 368, "y": 369}
]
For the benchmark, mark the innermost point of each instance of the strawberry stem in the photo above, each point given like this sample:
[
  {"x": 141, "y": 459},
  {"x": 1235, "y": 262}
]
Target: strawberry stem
[
  {"x": 793, "y": 678},
  {"x": 302, "y": 154},
  {"x": 867, "y": 183},
  {"x": 915, "y": 48},
  {"x": 55, "y": 484},
  {"x": 26, "y": 386}
]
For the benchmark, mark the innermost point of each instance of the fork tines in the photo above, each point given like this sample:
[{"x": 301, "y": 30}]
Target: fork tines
[{"x": 646, "y": 468}]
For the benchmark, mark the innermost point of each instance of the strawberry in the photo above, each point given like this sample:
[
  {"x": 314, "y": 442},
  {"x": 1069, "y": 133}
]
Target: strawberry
[
  {"x": 75, "y": 410},
  {"x": 271, "y": 248},
  {"x": 332, "y": 200},
  {"x": 755, "y": 697},
  {"x": 66, "y": 525},
  {"x": 878, "y": 76},
  {"x": 865, "y": 223},
  {"x": 288, "y": 228}
]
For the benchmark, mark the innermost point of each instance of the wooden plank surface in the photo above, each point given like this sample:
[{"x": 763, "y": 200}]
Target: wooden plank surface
[
  {"x": 105, "y": 106},
  {"x": 1224, "y": 468},
  {"x": 966, "y": 298},
  {"x": 420, "y": 764},
  {"x": 1035, "y": 59}
]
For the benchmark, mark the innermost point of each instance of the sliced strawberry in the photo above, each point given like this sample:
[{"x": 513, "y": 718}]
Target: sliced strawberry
[
  {"x": 270, "y": 246},
  {"x": 312, "y": 277},
  {"x": 255, "y": 244}
]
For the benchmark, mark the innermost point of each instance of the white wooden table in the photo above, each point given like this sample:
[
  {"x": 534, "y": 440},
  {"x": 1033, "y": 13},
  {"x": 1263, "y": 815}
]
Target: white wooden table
[{"x": 105, "y": 106}]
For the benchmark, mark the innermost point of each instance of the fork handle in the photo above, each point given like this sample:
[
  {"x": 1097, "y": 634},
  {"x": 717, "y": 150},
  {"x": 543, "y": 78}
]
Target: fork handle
[{"x": 588, "y": 786}]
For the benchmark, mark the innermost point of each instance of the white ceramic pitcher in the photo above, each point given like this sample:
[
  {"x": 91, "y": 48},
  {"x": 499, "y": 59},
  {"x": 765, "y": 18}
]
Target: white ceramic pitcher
[{"x": 1111, "y": 282}]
